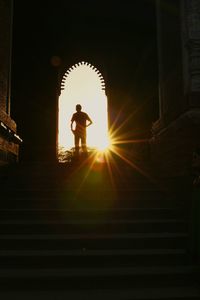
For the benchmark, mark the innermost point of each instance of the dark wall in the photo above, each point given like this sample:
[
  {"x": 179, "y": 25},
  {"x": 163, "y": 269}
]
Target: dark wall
[
  {"x": 5, "y": 39},
  {"x": 171, "y": 59},
  {"x": 119, "y": 37}
]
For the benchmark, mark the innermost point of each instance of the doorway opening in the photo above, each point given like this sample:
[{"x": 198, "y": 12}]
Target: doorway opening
[{"x": 82, "y": 84}]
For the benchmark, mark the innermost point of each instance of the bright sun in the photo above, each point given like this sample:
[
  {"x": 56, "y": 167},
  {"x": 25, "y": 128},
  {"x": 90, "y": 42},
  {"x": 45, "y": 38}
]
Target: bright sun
[{"x": 84, "y": 85}]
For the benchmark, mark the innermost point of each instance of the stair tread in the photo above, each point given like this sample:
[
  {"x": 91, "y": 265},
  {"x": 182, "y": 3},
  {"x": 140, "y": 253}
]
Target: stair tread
[
  {"x": 97, "y": 236},
  {"x": 97, "y": 271},
  {"x": 99, "y": 210},
  {"x": 88, "y": 252},
  {"x": 93, "y": 221},
  {"x": 159, "y": 293}
]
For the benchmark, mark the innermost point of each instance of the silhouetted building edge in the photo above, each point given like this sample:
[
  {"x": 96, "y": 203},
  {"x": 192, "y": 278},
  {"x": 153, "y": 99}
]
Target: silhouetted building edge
[
  {"x": 176, "y": 132},
  {"x": 9, "y": 140}
]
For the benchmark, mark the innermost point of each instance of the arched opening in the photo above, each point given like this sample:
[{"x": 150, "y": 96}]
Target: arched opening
[{"x": 82, "y": 84}]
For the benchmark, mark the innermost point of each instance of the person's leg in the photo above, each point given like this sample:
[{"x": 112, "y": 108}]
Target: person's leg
[
  {"x": 76, "y": 142},
  {"x": 83, "y": 142}
]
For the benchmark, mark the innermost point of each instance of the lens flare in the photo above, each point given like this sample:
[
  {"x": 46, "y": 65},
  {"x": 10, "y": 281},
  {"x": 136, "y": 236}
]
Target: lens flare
[{"x": 83, "y": 85}]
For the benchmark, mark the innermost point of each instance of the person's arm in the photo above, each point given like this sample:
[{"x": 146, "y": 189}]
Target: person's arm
[
  {"x": 72, "y": 121},
  {"x": 89, "y": 120}
]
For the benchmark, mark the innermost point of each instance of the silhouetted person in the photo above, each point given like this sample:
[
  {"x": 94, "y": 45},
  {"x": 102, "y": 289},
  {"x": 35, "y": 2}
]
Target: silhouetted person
[{"x": 82, "y": 121}]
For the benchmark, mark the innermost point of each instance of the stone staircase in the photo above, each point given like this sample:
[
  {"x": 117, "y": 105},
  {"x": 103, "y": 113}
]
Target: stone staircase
[{"x": 65, "y": 235}]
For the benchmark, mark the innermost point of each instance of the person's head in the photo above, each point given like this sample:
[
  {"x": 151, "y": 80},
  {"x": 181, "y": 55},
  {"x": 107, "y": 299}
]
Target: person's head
[{"x": 78, "y": 107}]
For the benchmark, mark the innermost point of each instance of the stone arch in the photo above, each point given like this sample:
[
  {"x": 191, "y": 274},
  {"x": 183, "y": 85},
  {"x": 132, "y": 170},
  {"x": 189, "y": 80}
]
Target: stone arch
[
  {"x": 96, "y": 108},
  {"x": 73, "y": 67}
]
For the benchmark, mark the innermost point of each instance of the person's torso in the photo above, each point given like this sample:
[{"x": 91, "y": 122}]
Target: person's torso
[{"x": 80, "y": 118}]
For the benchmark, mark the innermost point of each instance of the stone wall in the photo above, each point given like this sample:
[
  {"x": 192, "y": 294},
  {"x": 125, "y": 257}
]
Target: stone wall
[
  {"x": 176, "y": 134},
  {"x": 5, "y": 53},
  {"x": 9, "y": 141}
]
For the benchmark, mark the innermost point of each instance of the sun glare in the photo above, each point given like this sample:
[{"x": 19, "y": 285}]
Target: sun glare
[{"x": 84, "y": 85}]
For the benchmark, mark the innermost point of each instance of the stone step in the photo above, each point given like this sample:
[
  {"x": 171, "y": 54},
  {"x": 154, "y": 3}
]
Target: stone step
[
  {"x": 94, "y": 215},
  {"x": 33, "y": 179},
  {"x": 93, "y": 241},
  {"x": 98, "y": 272},
  {"x": 98, "y": 278},
  {"x": 144, "y": 293},
  {"x": 52, "y": 193},
  {"x": 72, "y": 200},
  {"x": 85, "y": 258},
  {"x": 89, "y": 227}
]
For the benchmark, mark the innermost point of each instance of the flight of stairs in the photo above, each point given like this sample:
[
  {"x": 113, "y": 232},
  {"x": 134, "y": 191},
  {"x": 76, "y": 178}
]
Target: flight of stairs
[{"x": 65, "y": 235}]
